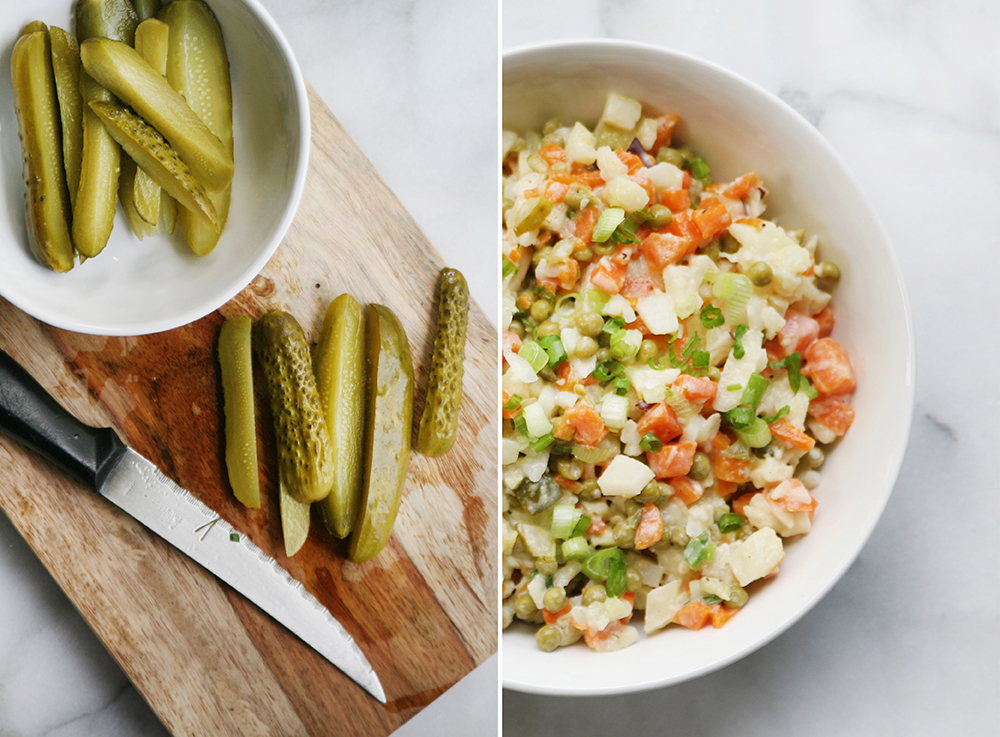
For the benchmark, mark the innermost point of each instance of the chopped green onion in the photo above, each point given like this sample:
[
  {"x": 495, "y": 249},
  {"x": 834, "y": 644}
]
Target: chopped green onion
[
  {"x": 610, "y": 219},
  {"x": 541, "y": 443},
  {"x": 700, "y": 362},
  {"x": 699, "y": 550},
  {"x": 576, "y": 548},
  {"x": 554, "y": 347},
  {"x": 700, "y": 171},
  {"x": 624, "y": 345},
  {"x": 234, "y": 537},
  {"x": 597, "y": 299},
  {"x": 557, "y": 308},
  {"x": 625, "y": 233},
  {"x": 711, "y": 316},
  {"x": 711, "y": 599},
  {"x": 658, "y": 367},
  {"x": 513, "y": 403},
  {"x": 734, "y": 387},
  {"x": 651, "y": 443},
  {"x": 509, "y": 267},
  {"x": 808, "y": 388},
  {"x": 739, "y": 418},
  {"x": 777, "y": 415},
  {"x": 756, "y": 386},
  {"x": 617, "y": 577},
  {"x": 793, "y": 365},
  {"x": 757, "y": 434},
  {"x": 582, "y": 525},
  {"x": 534, "y": 354},
  {"x": 589, "y": 454},
  {"x": 730, "y": 522},
  {"x": 608, "y": 369},
  {"x": 690, "y": 347},
  {"x": 521, "y": 425},
  {"x": 613, "y": 325},
  {"x": 738, "y": 350},
  {"x": 564, "y": 519},
  {"x": 680, "y": 405},
  {"x": 735, "y": 289},
  {"x": 621, "y": 384},
  {"x": 596, "y": 566}
]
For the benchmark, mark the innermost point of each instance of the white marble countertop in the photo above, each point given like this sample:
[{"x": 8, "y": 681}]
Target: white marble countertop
[
  {"x": 907, "y": 93},
  {"x": 415, "y": 85}
]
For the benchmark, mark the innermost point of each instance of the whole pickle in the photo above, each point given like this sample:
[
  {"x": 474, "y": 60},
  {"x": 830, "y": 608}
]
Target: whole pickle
[{"x": 439, "y": 421}]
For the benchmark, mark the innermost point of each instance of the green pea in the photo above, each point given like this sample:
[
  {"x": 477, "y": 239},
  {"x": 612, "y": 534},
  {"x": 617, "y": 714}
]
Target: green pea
[
  {"x": 593, "y": 593},
  {"x": 547, "y": 327},
  {"x": 540, "y": 310},
  {"x": 604, "y": 354},
  {"x": 650, "y": 492},
  {"x": 647, "y": 350},
  {"x": 524, "y": 607},
  {"x": 589, "y": 490},
  {"x": 517, "y": 327},
  {"x": 548, "y": 374},
  {"x": 584, "y": 254},
  {"x": 760, "y": 273},
  {"x": 538, "y": 164},
  {"x": 728, "y": 244},
  {"x": 679, "y": 536},
  {"x": 606, "y": 248},
  {"x": 548, "y": 638},
  {"x": 541, "y": 254},
  {"x": 589, "y": 323},
  {"x": 525, "y": 299},
  {"x": 578, "y": 197},
  {"x": 624, "y": 535},
  {"x": 737, "y": 598},
  {"x": 827, "y": 272},
  {"x": 568, "y": 467},
  {"x": 715, "y": 373},
  {"x": 712, "y": 251},
  {"x": 633, "y": 579},
  {"x": 585, "y": 347},
  {"x": 700, "y": 467},
  {"x": 670, "y": 156},
  {"x": 815, "y": 457},
  {"x": 660, "y": 216},
  {"x": 554, "y": 599}
]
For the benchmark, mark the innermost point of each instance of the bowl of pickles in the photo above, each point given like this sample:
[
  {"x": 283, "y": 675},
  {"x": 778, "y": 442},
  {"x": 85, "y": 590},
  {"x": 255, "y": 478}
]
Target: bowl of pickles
[{"x": 153, "y": 156}]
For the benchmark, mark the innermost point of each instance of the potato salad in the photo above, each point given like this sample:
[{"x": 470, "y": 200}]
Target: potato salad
[{"x": 670, "y": 383}]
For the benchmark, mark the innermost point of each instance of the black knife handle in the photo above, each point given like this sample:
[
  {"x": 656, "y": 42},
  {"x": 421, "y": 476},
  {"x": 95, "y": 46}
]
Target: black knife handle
[{"x": 31, "y": 415}]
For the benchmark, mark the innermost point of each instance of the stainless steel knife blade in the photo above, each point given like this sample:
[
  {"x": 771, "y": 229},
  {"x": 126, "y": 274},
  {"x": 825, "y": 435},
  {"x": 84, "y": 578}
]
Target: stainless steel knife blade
[{"x": 98, "y": 457}]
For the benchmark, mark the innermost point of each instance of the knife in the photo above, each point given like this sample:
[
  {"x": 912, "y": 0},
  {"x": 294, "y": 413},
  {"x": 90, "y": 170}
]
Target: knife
[{"x": 98, "y": 458}]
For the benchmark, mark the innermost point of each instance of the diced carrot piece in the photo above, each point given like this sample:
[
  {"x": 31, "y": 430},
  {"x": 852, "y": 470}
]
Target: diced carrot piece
[
  {"x": 792, "y": 493},
  {"x": 562, "y": 177},
  {"x": 686, "y": 489},
  {"x": 531, "y": 194},
  {"x": 696, "y": 389},
  {"x": 790, "y": 435},
  {"x": 687, "y": 180},
  {"x": 569, "y": 485},
  {"x": 685, "y": 226},
  {"x": 712, "y": 217},
  {"x": 590, "y": 178},
  {"x": 664, "y": 131},
  {"x": 825, "y": 319},
  {"x": 724, "y": 466},
  {"x": 633, "y": 162},
  {"x": 740, "y": 187},
  {"x": 674, "y": 459},
  {"x": 592, "y": 638},
  {"x": 585, "y": 222},
  {"x": 649, "y": 531},
  {"x": 678, "y": 200},
  {"x": 638, "y": 324},
  {"x": 798, "y": 333},
  {"x": 832, "y": 412},
  {"x": 553, "y": 617},
  {"x": 608, "y": 275},
  {"x": 513, "y": 341},
  {"x": 725, "y": 488},
  {"x": 566, "y": 277},
  {"x": 694, "y": 615},
  {"x": 661, "y": 420},
  {"x": 552, "y": 152},
  {"x": 556, "y": 191},
  {"x": 597, "y": 526},
  {"x": 829, "y": 366},
  {"x": 508, "y": 413},
  {"x": 739, "y": 503},
  {"x": 637, "y": 287},
  {"x": 663, "y": 249},
  {"x": 582, "y": 423},
  {"x": 721, "y": 614}
]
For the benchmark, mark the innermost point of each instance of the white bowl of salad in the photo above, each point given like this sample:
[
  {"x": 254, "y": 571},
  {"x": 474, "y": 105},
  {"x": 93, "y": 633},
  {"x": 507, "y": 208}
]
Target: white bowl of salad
[{"x": 708, "y": 368}]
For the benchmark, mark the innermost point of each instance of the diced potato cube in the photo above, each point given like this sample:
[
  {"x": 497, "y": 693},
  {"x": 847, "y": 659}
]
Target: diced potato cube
[
  {"x": 756, "y": 556},
  {"x": 580, "y": 145},
  {"x": 621, "y": 111},
  {"x": 624, "y": 193},
  {"x": 657, "y": 312},
  {"x": 662, "y": 605},
  {"x": 624, "y": 477}
]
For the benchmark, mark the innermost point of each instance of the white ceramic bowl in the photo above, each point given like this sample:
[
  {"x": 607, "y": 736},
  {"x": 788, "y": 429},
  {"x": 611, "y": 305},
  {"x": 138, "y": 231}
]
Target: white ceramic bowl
[
  {"x": 137, "y": 287},
  {"x": 738, "y": 128}
]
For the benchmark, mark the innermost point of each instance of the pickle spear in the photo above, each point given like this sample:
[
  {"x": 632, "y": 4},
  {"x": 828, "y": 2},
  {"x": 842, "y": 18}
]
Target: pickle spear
[
  {"x": 120, "y": 69},
  {"x": 46, "y": 198},
  {"x": 198, "y": 68},
  {"x": 138, "y": 192},
  {"x": 32, "y": 27},
  {"x": 339, "y": 364},
  {"x": 149, "y": 151},
  {"x": 235, "y": 360},
  {"x": 439, "y": 421},
  {"x": 388, "y": 422},
  {"x": 94, "y": 209},
  {"x": 127, "y": 195},
  {"x": 146, "y": 9},
  {"x": 66, "y": 68},
  {"x": 294, "y": 521}
]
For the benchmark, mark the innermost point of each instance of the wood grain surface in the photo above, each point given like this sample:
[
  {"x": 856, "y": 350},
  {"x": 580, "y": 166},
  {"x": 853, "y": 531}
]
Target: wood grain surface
[{"x": 424, "y": 611}]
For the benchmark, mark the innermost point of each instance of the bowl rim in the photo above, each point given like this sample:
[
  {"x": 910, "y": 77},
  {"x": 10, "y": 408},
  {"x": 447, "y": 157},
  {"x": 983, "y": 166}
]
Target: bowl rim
[
  {"x": 183, "y": 317},
  {"x": 524, "y": 53}
]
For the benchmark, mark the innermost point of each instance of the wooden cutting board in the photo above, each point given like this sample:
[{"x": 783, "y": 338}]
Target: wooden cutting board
[{"x": 424, "y": 611}]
